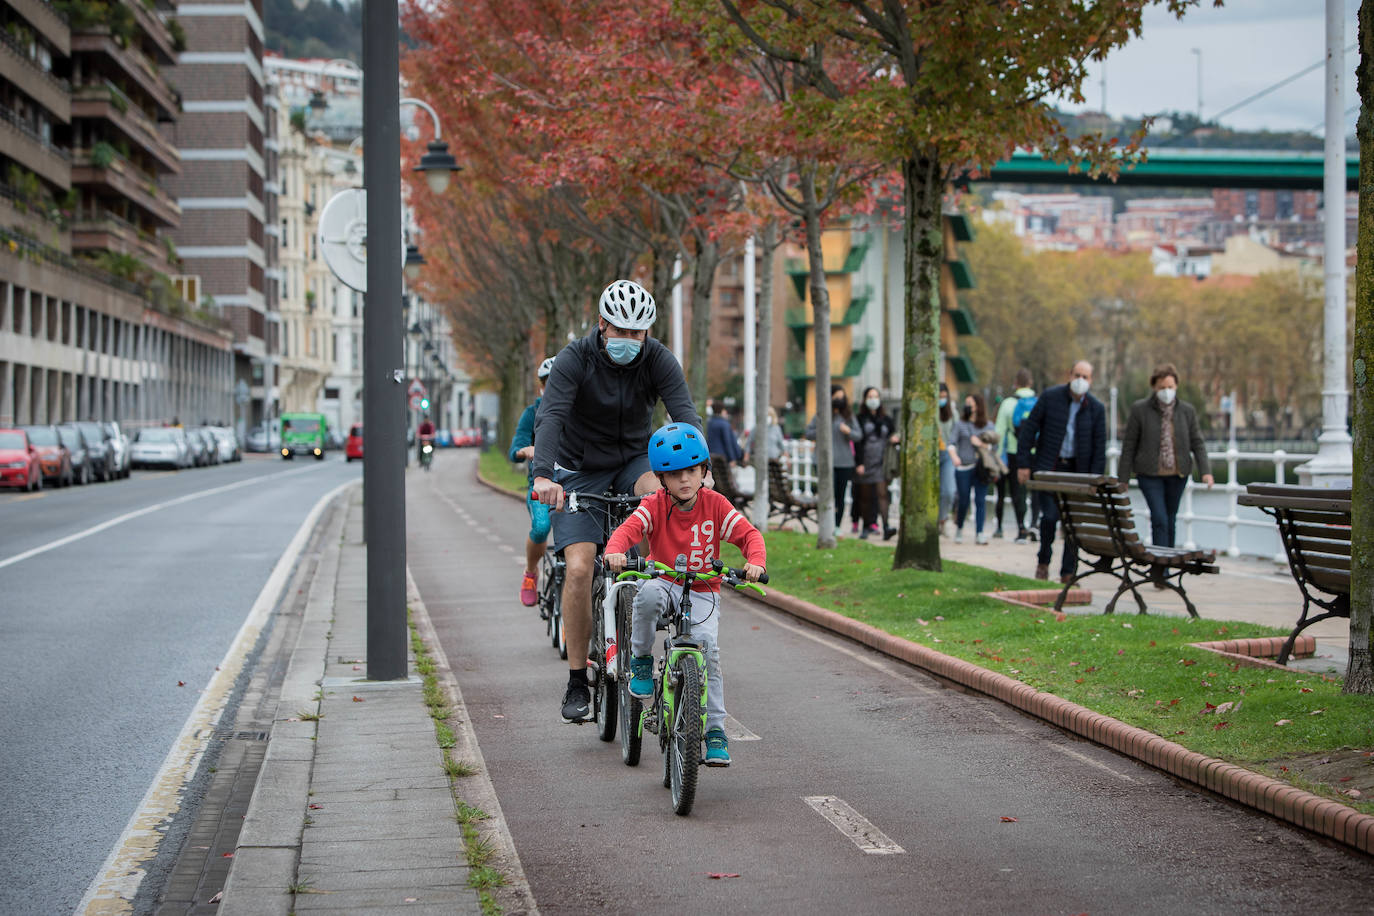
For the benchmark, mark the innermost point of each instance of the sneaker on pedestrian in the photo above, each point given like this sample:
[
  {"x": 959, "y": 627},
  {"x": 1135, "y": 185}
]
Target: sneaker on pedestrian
[
  {"x": 1042, "y": 571},
  {"x": 577, "y": 703},
  {"x": 717, "y": 749},
  {"x": 998, "y": 533},
  {"x": 888, "y": 533},
  {"x": 980, "y": 538},
  {"x": 863, "y": 535},
  {"x": 1031, "y": 535},
  {"x": 958, "y": 535},
  {"x": 1020, "y": 536},
  {"x": 527, "y": 595},
  {"x": 642, "y": 677},
  {"x": 854, "y": 528}
]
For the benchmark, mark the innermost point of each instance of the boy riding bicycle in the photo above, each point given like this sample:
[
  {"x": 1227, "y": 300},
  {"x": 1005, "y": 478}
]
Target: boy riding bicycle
[{"x": 684, "y": 518}]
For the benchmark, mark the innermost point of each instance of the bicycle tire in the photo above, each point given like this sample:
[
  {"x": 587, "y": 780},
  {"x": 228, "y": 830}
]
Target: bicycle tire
[
  {"x": 684, "y": 741},
  {"x": 631, "y": 708},
  {"x": 604, "y": 696}
]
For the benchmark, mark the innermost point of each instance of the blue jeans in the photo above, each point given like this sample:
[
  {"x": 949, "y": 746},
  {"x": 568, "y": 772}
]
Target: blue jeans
[
  {"x": 1162, "y": 496},
  {"x": 967, "y": 481},
  {"x": 947, "y": 488}
]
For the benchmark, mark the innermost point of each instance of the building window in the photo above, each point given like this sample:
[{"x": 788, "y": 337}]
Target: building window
[{"x": 285, "y": 234}]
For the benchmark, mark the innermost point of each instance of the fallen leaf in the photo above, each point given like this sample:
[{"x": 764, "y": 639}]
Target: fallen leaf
[
  {"x": 316, "y": 807},
  {"x": 1175, "y": 702},
  {"x": 357, "y": 667},
  {"x": 1207, "y": 708},
  {"x": 937, "y": 591},
  {"x": 181, "y": 683},
  {"x": 412, "y": 899},
  {"x": 937, "y": 616},
  {"x": 1284, "y": 769},
  {"x": 497, "y": 715},
  {"x": 1225, "y": 706},
  {"x": 357, "y": 699},
  {"x": 1008, "y": 820},
  {"x": 901, "y": 595},
  {"x": 1283, "y": 722},
  {"x": 1346, "y": 778},
  {"x": 1220, "y": 725},
  {"x": 720, "y": 874},
  {"x": 1126, "y": 626},
  {"x": 1135, "y": 693},
  {"x": 216, "y": 898},
  {"x": 922, "y": 622},
  {"x": 1187, "y": 662},
  {"x": 1152, "y": 643},
  {"x": 1317, "y": 712},
  {"x": 1078, "y": 680},
  {"x": 227, "y": 855},
  {"x": 1073, "y": 664},
  {"x": 1120, "y": 651},
  {"x": 1305, "y": 689}
]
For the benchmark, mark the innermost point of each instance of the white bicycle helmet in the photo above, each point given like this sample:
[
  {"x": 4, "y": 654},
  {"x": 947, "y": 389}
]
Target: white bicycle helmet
[
  {"x": 545, "y": 368},
  {"x": 628, "y": 306}
]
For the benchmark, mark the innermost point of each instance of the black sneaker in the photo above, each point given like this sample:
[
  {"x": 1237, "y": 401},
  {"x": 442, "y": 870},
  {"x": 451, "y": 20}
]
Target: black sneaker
[{"x": 577, "y": 703}]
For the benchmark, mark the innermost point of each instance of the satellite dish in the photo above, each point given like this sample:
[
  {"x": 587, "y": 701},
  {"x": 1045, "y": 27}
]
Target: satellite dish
[{"x": 343, "y": 237}]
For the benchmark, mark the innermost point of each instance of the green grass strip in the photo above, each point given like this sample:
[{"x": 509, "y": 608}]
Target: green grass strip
[
  {"x": 1139, "y": 669},
  {"x": 498, "y": 470}
]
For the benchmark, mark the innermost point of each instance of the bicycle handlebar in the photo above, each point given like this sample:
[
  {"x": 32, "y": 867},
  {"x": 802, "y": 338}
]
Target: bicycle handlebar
[
  {"x": 638, "y": 568},
  {"x": 574, "y": 500}
]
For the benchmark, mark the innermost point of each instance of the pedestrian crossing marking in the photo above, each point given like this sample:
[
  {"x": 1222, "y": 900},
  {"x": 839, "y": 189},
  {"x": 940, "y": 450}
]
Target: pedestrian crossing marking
[{"x": 853, "y": 825}]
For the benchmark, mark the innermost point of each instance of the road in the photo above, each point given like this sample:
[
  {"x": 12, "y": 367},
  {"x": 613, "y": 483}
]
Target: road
[
  {"x": 937, "y": 772},
  {"x": 108, "y": 640}
]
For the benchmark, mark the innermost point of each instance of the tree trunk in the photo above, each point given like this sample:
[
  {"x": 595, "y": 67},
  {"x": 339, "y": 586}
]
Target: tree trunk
[
  {"x": 820, "y": 312},
  {"x": 918, "y": 540},
  {"x": 763, "y": 366},
  {"x": 699, "y": 338},
  {"x": 513, "y": 398},
  {"x": 1359, "y": 674}
]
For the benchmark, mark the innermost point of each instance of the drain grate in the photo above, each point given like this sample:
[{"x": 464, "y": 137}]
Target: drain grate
[{"x": 231, "y": 735}]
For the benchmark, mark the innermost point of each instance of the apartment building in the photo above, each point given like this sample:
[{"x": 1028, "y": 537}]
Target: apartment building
[
  {"x": 1150, "y": 221},
  {"x": 1063, "y": 222},
  {"x": 94, "y": 317},
  {"x": 222, "y": 187}
]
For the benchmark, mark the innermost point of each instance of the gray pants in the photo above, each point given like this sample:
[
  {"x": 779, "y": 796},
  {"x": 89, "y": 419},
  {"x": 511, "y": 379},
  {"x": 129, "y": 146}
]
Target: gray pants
[{"x": 651, "y": 602}]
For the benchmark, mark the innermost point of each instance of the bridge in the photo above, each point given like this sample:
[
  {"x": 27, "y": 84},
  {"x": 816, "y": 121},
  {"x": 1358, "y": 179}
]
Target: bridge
[{"x": 1168, "y": 167}]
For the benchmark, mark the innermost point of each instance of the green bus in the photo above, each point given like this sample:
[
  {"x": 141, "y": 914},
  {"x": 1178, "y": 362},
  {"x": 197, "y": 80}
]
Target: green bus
[{"x": 304, "y": 434}]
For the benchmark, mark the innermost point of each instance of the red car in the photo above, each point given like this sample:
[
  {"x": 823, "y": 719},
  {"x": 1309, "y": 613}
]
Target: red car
[
  {"x": 19, "y": 462},
  {"x": 53, "y": 456},
  {"x": 353, "y": 448}
]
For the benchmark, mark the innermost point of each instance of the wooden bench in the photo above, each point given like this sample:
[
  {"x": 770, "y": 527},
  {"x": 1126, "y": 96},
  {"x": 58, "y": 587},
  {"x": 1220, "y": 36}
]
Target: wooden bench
[
  {"x": 724, "y": 478},
  {"x": 1095, "y": 512},
  {"x": 783, "y": 502},
  {"x": 1314, "y": 525}
]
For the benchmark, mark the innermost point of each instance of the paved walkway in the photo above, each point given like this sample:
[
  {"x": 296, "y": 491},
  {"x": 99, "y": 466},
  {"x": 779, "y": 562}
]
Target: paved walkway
[{"x": 353, "y": 813}]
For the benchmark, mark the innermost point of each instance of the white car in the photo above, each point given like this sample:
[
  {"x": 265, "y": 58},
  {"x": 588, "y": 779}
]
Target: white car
[
  {"x": 259, "y": 440},
  {"x": 227, "y": 442},
  {"x": 160, "y": 446}
]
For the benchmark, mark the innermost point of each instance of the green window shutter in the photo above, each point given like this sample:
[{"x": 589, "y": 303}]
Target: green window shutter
[
  {"x": 963, "y": 275},
  {"x": 963, "y": 368},
  {"x": 961, "y": 227},
  {"x": 963, "y": 322}
]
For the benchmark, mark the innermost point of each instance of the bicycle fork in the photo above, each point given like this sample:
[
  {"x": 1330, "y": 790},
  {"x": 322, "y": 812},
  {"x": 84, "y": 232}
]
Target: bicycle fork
[{"x": 659, "y": 717}]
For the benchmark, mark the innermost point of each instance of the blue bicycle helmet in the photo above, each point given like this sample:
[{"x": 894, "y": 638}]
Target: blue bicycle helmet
[{"x": 677, "y": 446}]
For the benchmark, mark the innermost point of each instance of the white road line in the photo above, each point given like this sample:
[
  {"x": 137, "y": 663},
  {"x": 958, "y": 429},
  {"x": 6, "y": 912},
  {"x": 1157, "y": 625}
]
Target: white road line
[
  {"x": 853, "y": 825},
  {"x": 117, "y": 881},
  {"x": 129, "y": 516},
  {"x": 892, "y": 667},
  {"x": 737, "y": 732}
]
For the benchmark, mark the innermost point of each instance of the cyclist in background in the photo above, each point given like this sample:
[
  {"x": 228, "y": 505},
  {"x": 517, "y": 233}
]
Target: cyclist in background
[
  {"x": 522, "y": 449},
  {"x": 592, "y": 435},
  {"x": 684, "y": 518},
  {"x": 423, "y": 433}
]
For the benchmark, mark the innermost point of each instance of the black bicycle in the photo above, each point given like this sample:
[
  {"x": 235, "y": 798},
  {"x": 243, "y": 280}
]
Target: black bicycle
[
  {"x": 677, "y": 712},
  {"x": 611, "y": 603},
  {"x": 552, "y": 571}
]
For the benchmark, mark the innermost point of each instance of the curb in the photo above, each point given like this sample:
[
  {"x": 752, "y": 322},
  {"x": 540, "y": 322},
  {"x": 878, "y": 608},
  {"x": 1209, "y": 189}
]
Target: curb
[{"x": 1324, "y": 817}]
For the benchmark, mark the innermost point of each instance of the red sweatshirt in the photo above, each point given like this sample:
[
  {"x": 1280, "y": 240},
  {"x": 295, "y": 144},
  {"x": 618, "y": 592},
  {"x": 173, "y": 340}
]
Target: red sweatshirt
[{"x": 697, "y": 533}]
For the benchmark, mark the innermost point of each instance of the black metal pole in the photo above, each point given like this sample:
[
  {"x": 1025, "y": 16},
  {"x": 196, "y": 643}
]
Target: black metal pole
[{"x": 383, "y": 391}]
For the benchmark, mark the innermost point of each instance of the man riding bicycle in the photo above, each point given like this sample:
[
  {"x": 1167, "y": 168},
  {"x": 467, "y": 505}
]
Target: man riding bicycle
[
  {"x": 423, "y": 433},
  {"x": 592, "y": 435}
]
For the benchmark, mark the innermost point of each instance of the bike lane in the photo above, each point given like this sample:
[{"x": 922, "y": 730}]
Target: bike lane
[{"x": 869, "y": 783}]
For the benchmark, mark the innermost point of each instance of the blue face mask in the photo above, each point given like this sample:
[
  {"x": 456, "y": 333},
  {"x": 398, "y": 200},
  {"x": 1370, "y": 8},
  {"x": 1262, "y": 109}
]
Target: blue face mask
[
  {"x": 622, "y": 350},
  {"x": 944, "y": 401}
]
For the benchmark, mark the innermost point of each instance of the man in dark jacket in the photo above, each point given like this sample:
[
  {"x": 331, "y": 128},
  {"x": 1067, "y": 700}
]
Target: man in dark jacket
[
  {"x": 1066, "y": 430},
  {"x": 720, "y": 436},
  {"x": 592, "y": 436}
]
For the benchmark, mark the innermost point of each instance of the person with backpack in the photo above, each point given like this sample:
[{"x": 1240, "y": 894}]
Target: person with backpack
[{"x": 1010, "y": 414}]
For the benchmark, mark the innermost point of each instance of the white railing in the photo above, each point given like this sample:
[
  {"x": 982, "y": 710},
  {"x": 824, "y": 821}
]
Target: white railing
[{"x": 1206, "y": 518}]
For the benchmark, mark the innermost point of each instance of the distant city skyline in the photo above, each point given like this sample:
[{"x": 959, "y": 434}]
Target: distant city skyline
[{"x": 1246, "y": 46}]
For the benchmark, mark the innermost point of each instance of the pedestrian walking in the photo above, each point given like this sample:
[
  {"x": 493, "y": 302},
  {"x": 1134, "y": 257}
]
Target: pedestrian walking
[
  {"x": 1066, "y": 430},
  {"x": 721, "y": 439},
  {"x": 877, "y": 431},
  {"x": 772, "y": 438},
  {"x": 1162, "y": 442},
  {"x": 844, "y": 433},
  {"x": 1011, "y": 413},
  {"x": 972, "y": 432},
  {"x": 947, "y": 486}
]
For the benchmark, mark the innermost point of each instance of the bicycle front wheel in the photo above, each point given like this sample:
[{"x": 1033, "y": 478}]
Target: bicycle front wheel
[
  {"x": 684, "y": 741},
  {"x": 631, "y": 709},
  {"x": 607, "y": 694}
]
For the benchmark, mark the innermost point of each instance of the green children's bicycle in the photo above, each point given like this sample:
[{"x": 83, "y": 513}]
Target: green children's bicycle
[{"x": 677, "y": 712}]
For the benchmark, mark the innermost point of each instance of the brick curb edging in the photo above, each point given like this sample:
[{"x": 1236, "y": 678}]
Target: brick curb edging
[{"x": 1324, "y": 817}]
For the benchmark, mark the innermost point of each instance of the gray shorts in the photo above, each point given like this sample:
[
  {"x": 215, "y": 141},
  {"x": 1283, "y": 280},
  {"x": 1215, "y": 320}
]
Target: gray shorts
[{"x": 587, "y": 524}]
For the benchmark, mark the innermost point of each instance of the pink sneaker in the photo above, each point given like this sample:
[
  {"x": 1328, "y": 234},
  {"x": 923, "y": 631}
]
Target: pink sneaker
[{"x": 527, "y": 596}]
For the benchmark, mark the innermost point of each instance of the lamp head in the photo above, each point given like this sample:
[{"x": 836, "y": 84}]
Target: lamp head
[{"x": 438, "y": 165}]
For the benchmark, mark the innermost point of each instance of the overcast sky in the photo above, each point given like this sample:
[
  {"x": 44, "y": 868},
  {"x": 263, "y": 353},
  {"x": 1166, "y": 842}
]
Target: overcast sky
[{"x": 1247, "y": 46}]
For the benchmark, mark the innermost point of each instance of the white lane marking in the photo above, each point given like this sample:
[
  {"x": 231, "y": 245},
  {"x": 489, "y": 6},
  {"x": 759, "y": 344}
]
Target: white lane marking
[
  {"x": 506, "y": 547},
  {"x": 853, "y": 825},
  {"x": 129, "y": 516},
  {"x": 737, "y": 732},
  {"x": 117, "y": 881},
  {"x": 831, "y": 641}
]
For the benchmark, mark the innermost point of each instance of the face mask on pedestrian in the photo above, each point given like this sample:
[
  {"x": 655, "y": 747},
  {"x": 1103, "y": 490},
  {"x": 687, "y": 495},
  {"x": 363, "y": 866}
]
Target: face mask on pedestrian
[
  {"x": 944, "y": 401},
  {"x": 1080, "y": 386},
  {"x": 1166, "y": 395},
  {"x": 621, "y": 350},
  {"x": 968, "y": 411},
  {"x": 873, "y": 403}
]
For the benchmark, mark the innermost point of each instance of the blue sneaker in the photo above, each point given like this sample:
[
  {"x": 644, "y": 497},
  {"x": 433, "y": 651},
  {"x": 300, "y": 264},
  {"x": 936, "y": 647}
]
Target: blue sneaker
[
  {"x": 642, "y": 677},
  {"x": 717, "y": 749}
]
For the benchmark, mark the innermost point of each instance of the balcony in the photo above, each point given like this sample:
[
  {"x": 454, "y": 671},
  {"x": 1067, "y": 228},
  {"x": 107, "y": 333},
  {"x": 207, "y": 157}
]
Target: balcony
[
  {"x": 48, "y": 90},
  {"x": 798, "y": 369},
  {"x": 118, "y": 176},
  {"x": 134, "y": 64},
  {"x": 104, "y": 231},
  {"x": 155, "y": 29},
  {"x": 46, "y": 21},
  {"x": 20, "y": 142},
  {"x": 108, "y": 103}
]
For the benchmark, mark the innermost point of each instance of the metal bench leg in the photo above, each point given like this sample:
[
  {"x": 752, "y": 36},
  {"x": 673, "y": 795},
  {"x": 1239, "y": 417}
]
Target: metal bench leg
[
  {"x": 1126, "y": 583},
  {"x": 1178, "y": 587}
]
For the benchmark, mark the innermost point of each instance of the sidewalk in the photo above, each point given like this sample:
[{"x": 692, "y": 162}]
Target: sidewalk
[{"x": 352, "y": 811}]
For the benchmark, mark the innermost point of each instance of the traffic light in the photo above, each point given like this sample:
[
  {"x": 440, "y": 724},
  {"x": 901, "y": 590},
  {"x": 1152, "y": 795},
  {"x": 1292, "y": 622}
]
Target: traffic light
[{"x": 424, "y": 403}]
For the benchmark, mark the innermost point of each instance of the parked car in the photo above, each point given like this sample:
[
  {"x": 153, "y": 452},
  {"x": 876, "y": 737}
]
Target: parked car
[
  {"x": 227, "y": 442},
  {"x": 207, "y": 435},
  {"x": 161, "y": 446},
  {"x": 101, "y": 449},
  {"x": 443, "y": 438},
  {"x": 260, "y": 439},
  {"x": 75, "y": 442},
  {"x": 353, "y": 448},
  {"x": 19, "y": 462},
  {"x": 54, "y": 457},
  {"x": 120, "y": 465}
]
